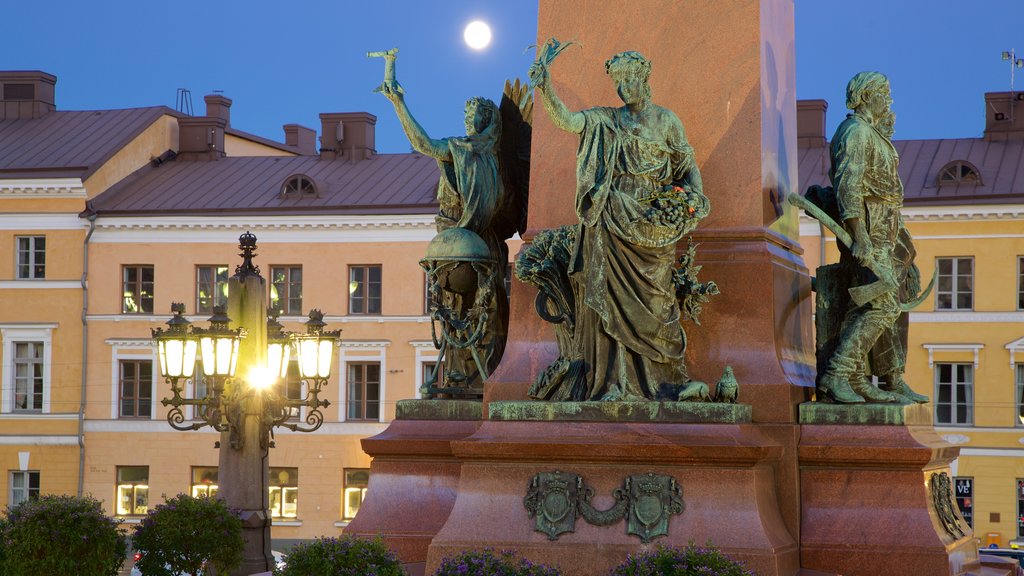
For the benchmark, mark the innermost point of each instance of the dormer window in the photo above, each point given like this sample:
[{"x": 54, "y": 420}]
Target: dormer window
[
  {"x": 298, "y": 186},
  {"x": 959, "y": 172}
]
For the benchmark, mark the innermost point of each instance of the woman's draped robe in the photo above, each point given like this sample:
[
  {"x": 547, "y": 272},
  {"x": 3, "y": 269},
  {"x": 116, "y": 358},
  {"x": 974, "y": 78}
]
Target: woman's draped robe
[{"x": 625, "y": 275}]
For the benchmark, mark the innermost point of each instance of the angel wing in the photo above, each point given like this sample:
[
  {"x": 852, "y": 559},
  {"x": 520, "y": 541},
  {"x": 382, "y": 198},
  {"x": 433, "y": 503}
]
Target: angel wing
[{"x": 514, "y": 156}]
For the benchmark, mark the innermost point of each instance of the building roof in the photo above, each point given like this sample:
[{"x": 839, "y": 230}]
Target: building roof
[
  {"x": 70, "y": 144},
  {"x": 383, "y": 184},
  {"x": 999, "y": 164}
]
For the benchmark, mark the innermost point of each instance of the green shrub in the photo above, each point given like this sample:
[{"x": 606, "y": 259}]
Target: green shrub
[
  {"x": 690, "y": 561},
  {"x": 345, "y": 556},
  {"x": 186, "y": 534},
  {"x": 66, "y": 535},
  {"x": 487, "y": 563}
]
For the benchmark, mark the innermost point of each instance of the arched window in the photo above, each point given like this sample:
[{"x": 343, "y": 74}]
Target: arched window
[
  {"x": 958, "y": 172},
  {"x": 298, "y": 186}
]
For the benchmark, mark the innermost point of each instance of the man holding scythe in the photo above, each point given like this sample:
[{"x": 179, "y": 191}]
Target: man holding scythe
[{"x": 877, "y": 252}]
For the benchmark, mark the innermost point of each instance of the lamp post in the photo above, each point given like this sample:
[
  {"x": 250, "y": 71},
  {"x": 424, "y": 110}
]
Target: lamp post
[{"x": 244, "y": 409}]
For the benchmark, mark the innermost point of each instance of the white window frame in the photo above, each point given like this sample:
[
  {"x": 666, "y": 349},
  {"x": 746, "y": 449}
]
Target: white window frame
[
  {"x": 15, "y": 333},
  {"x": 425, "y": 352},
  {"x": 132, "y": 349},
  {"x": 32, "y": 256},
  {"x": 954, "y": 384},
  {"x": 361, "y": 351},
  {"x": 954, "y": 291},
  {"x": 28, "y": 485}
]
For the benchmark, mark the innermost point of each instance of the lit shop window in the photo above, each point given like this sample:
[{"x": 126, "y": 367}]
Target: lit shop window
[
  {"x": 284, "y": 492},
  {"x": 356, "y": 481},
  {"x": 204, "y": 481},
  {"x": 132, "y": 490}
]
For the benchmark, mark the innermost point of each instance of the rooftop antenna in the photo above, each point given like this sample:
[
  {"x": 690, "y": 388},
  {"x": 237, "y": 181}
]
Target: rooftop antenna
[
  {"x": 183, "y": 101},
  {"x": 1011, "y": 57}
]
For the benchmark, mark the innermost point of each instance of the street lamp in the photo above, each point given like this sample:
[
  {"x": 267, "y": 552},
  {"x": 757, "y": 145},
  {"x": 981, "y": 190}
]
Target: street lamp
[{"x": 244, "y": 410}]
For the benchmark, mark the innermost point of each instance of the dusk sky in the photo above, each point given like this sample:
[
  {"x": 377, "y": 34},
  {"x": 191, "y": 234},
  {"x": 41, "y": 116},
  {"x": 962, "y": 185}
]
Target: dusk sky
[{"x": 287, "y": 62}]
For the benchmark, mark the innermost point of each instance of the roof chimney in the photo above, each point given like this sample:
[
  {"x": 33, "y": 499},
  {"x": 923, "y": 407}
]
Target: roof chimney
[
  {"x": 26, "y": 94},
  {"x": 201, "y": 138},
  {"x": 302, "y": 138},
  {"x": 347, "y": 135},
  {"x": 810, "y": 123},
  {"x": 218, "y": 106},
  {"x": 1004, "y": 115}
]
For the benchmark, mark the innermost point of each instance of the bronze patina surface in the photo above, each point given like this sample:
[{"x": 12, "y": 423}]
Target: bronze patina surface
[
  {"x": 609, "y": 283},
  {"x": 863, "y": 300}
]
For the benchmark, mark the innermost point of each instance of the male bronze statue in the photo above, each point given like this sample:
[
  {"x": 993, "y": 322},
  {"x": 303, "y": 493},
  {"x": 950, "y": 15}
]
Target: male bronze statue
[
  {"x": 863, "y": 300},
  {"x": 482, "y": 197},
  {"x": 608, "y": 282}
]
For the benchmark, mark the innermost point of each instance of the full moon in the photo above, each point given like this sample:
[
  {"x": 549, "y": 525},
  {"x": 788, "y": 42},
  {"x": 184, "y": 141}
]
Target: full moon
[{"x": 477, "y": 35}]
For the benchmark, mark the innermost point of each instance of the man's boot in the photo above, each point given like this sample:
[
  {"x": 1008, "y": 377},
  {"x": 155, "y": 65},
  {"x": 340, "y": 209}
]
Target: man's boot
[
  {"x": 870, "y": 392},
  {"x": 897, "y": 385},
  {"x": 838, "y": 389}
]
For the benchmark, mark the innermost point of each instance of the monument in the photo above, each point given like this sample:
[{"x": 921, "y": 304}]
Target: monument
[{"x": 594, "y": 436}]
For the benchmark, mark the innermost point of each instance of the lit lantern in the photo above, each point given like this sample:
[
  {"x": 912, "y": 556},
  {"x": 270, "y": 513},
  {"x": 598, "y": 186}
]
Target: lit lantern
[
  {"x": 176, "y": 347},
  {"x": 316, "y": 348},
  {"x": 219, "y": 345},
  {"x": 278, "y": 348}
]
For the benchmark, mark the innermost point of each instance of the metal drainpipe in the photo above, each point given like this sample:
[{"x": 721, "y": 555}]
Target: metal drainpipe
[{"x": 85, "y": 349}]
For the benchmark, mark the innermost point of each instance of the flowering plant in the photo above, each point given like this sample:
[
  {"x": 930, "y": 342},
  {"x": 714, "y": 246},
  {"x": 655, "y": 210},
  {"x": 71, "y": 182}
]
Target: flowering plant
[
  {"x": 690, "y": 561},
  {"x": 344, "y": 556},
  {"x": 487, "y": 563}
]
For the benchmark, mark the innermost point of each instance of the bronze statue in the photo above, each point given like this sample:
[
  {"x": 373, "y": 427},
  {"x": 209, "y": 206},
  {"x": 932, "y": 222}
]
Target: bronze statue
[
  {"x": 482, "y": 192},
  {"x": 609, "y": 283},
  {"x": 863, "y": 300}
]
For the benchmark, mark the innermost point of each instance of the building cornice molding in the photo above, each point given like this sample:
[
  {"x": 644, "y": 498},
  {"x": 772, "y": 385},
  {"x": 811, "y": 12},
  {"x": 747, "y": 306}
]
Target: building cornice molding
[
  {"x": 966, "y": 317},
  {"x": 42, "y": 188},
  {"x": 277, "y": 228},
  {"x": 32, "y": 221},
  {"x": 364, "y": 344},
  {"x": 23, "y": 440},
  {"x": 964, "y": 212},
  {"x": 40, "y": 284},
  {"x": 146, "y": 343},
  {"x": 951, "y": 347}
]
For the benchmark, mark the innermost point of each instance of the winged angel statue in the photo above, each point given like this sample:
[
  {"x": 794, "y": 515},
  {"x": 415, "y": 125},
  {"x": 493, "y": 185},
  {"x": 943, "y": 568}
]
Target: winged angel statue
[{"x": 482, "y": 195}]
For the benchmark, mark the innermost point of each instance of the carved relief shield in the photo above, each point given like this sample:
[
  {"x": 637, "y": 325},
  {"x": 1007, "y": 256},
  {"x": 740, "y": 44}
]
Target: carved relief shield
[
  {"x": 552, "y": 498},
  {"x": 653, "y": 499}
]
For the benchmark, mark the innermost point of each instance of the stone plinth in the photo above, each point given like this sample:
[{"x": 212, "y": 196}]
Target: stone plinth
[
  {"x": 725, "y": 472},
  {"x": 414, "y": 477},
  {"x": 867, "y": 499},
  {"x": 677, "y": 412}
]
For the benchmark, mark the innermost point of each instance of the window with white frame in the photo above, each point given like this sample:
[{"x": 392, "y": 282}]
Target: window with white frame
[
  {"x": 363, "y": 399},
  {"x": 27, "y": 351},
  {"x": 286, "y": 289},
  {"x": 24, "y": 486},
  {"x": 955, "y": 290},
  {"x": 1020, "y": 282},
  {"x": 135, "y": 388},
  {"x": 204, "y": 481},
  {"x": 284, "y": 493},
  {"x": 132, "y": 490},
  {"x": 28, "y": 376},
  {"x": 1019, "y": 393},
  {"x": 364, "y": 290},
  {"x": 31, "y": 257},
  {"x": 211, "y": 288},
  {"x": 354, "y": 491},
  {"x": 954, "y": 394},
  {"x": 137, "y": 283}
]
